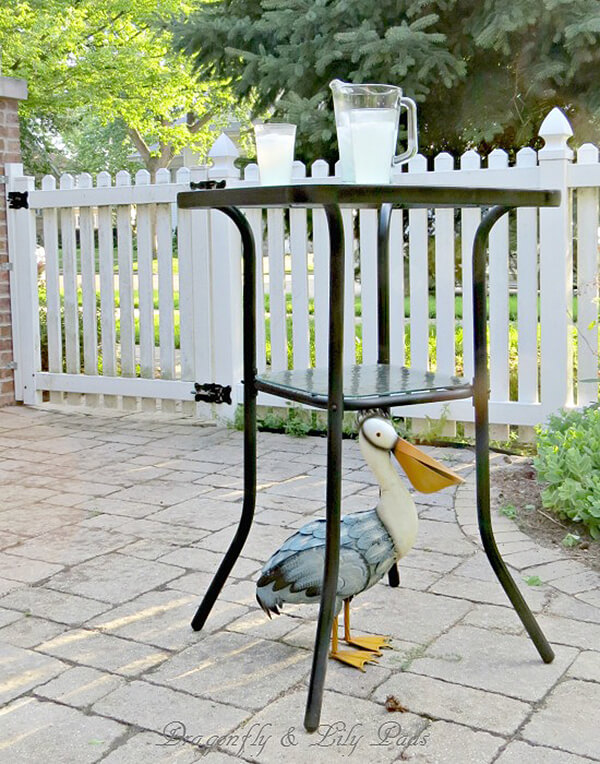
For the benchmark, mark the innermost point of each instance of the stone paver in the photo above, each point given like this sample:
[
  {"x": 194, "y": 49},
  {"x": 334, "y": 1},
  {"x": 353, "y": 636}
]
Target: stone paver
[
  {"x": 445, "y": 743},
  {"x": 468, "y": 655},
  {"x": 24, "y": 669},
  {"x": 34, "y": 732},
  {"x": 235, "y": 668},
  {"x": 519, "y": 752},
  {"x": 567, "y": 721},
  {"x": 90, "y": 648},
  {"x": 161, "y": 618},
  {"x": 79, "y": 686},
  {"x": 114, "y": 577},
  {"x": 158, "y": 708},
  {"x": 453, "y": 702},
  {"x": 423, "y": 616},
  {"x": 71, "y": 546},
  {"x": 29, "y": 631},
  {"x": 55, "y": 606},
  {"x": 586, "y": 666},
  {"x": 111, "y": 528},
  {"x": 156, "y": 749},
  {"x": 351, "y": 728},
  {"x": 25, "y": 570}
]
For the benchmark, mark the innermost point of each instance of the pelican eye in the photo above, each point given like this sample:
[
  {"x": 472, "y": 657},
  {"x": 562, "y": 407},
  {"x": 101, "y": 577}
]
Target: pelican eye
[{"x": 379, "y": 431}]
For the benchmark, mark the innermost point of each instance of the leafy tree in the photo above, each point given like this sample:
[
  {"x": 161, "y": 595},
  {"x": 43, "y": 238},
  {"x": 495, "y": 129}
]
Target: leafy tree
[
  {"x": 485, "y": 74},
  {"x": 104, "y": 77}
]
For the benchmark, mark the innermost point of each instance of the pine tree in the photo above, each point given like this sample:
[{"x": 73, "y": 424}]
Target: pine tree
[{"x": 484, "y": 74}]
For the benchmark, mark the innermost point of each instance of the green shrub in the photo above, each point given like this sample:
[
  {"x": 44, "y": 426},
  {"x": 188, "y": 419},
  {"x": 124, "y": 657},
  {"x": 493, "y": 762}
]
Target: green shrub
[{"x": 568, "y": 460}]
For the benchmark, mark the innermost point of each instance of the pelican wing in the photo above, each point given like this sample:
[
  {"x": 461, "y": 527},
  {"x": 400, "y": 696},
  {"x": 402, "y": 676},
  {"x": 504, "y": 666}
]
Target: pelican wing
[
  {"x": 294, "y": 573},
  {"x": 302, "y": 573}
]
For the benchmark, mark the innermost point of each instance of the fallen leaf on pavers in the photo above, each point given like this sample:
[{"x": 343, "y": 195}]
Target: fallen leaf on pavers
[{"x": 393, "y": 704}]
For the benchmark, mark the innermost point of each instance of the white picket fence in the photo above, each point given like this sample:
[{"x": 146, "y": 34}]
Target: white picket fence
[{"x": 178, "y": 316}]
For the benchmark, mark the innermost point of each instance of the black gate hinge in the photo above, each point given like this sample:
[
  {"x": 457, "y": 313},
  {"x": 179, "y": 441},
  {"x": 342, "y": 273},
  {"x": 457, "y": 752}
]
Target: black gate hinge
[
  {"x": 205, "y": 185},
  {"x": 18, "y": 200},
  {"x": 210, "y": 392}
]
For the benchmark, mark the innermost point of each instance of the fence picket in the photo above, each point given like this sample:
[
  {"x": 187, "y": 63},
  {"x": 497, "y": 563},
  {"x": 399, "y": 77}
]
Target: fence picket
[
  {"x": 87, "y": 247},
  {"x": 349, "y": 289},
  {"x": 368, "y": 284},
  {"x": 350, "y": 318},
  {"x": 276, "y": 244},
  {"x": 445, "y": 278},
  {"x": 107, "y": 289},
  {"x": 255, "y": 218},
  {"x": 419, "y": 278},
  {"x": 69, "y": 271},
  {"x": 164, "y": 255},
  {"x": 498, "y": 291},
  {"x": 587, "y": 284},
  {"x": 469, "y": 220},
  {"x": 24, "y": 290},
  {"x": 320, "y": 169},
  {"x": 126, "y": 316},
  {"x": 199, "y": 244},
  {"x": 53, "y": 319},
  {"x": 445, "y": 286},
  {"x": 397, "y": 277},
  {"x": 527, "y": 292},
  {"x": 145, "y": 287},
  {"x": 556, "y": 266},
  {"x": 299, "y": 261},
  {"x": 186, "y": 300}
]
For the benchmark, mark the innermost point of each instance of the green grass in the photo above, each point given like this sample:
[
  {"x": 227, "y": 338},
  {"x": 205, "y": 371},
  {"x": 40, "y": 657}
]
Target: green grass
[
  {"x": 458, "y": 306},
  {"x": 116, "y": 260},
  {"x": 512, "y": 330}
]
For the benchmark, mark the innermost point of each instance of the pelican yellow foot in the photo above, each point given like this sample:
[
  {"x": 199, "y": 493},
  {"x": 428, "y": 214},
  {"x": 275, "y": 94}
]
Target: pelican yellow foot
[
  {"x": 356, "y": 658},
  {"x": 373, "y": 643}
]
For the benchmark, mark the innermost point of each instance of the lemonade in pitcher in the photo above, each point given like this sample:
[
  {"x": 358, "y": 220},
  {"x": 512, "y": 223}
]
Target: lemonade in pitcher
[{"x": 366, "y": 118}]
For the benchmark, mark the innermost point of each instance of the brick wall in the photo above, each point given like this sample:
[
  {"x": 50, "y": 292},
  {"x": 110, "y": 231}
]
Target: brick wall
[{"x": 11, "y": 92}]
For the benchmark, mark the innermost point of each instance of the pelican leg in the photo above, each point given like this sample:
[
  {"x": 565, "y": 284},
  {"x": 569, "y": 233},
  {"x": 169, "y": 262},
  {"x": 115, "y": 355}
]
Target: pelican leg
[
  {"x": 374, "y": 643},
  {"x": 356, "y": 658}
]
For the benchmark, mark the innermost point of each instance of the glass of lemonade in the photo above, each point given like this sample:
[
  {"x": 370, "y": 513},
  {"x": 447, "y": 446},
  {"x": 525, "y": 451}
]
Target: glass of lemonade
[{"x": 275, "y": 152}]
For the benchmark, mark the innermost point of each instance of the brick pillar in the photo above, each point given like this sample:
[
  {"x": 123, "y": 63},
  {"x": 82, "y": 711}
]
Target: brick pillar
[{"x": 11, "y": 92}]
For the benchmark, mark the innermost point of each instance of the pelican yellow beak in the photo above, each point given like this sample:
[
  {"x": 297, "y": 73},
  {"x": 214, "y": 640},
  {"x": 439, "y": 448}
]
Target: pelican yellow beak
[{"x": 426, "y": 474}]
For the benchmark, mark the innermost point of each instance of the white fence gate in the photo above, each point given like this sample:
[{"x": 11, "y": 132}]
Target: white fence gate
[{"x": 133, "y": 310}]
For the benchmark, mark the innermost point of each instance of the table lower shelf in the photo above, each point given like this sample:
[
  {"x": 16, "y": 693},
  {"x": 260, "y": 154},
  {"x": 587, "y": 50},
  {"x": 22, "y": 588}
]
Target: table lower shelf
[{"x": 365, "y": 386}]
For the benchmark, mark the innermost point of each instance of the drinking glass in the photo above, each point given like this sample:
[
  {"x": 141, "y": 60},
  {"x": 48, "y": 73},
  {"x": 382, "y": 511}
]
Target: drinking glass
[{"x": 275, "y": 152}]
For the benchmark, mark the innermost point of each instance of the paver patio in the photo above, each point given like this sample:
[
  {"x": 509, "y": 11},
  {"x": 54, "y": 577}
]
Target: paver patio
[{"x": 111, "y": 525}]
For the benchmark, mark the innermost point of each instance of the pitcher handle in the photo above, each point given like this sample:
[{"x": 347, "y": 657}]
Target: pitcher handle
[{"x": 412, "y": 140}]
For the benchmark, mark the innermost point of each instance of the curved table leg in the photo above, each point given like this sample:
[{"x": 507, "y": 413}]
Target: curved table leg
[
  {"x": 335, "y": 415},
  {"x": 482, "y": 460},
  {"x": 237, "y": 544}
]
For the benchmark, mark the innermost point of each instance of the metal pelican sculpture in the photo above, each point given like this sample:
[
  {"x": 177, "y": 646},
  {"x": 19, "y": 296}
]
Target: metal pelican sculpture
[{"x": 370, "y": 541}]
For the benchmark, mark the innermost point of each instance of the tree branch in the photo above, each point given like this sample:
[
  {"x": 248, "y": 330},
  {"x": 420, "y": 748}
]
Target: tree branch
[
  {"x": 140, "y": 145},
  {"x": 166, "y": 155},
  {"x": 194, "y": 127}
]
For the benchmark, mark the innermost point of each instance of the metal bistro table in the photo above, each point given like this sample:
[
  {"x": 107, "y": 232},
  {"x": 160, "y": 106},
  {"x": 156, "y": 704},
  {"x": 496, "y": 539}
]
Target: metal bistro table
[{"x": 362, "y": 387}]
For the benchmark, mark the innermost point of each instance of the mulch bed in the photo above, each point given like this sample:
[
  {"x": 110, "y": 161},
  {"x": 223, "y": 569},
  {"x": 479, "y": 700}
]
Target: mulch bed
[{"x": 514, "y": 484}]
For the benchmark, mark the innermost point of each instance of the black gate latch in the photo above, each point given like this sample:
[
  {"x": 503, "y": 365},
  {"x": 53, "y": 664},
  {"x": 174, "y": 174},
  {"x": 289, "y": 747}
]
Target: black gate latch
[
  {"x": 204, "y": 185},
  {"x": 210, "y": 392},
  {"x": 17, "y": 200}
]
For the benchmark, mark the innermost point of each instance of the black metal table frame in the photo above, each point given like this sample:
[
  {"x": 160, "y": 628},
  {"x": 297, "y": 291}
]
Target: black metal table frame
[{"x": 384, "y": 198}]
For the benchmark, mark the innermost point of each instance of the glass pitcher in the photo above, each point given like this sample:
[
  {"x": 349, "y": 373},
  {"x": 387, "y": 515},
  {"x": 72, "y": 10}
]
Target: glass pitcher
[{"x": 366, "y": 119}]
